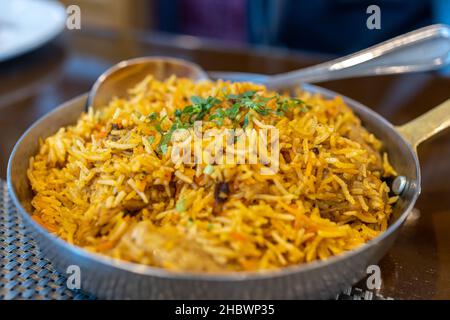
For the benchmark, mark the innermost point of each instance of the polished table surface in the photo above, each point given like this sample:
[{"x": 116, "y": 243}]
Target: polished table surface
[{"x": 418, "y": 265}]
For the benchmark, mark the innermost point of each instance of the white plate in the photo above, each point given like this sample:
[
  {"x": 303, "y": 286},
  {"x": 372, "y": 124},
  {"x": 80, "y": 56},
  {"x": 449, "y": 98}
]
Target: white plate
[{"x": 28, "y": 24}]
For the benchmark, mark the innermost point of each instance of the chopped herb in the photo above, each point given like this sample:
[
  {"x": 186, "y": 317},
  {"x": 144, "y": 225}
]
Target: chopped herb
[
  {"x": 153, "y": 116},
  {"x": 248, "y": 100},
  {"x": 158, "y": 125},
  {"x": 197, "y": 100},
  {"x": 218, "y": 116},
  {"x": 163, "y": 145},
  {"x": 246, "y": 121},
  {"x": 151, "y": 139},
  {"x": 181, "y": 206},
  {"x": 220, "y": 113},
  {"x": 249, "y": 94},
  {"x": 167, "y": 136},
  {"x": 156, "y": 122},
  {"x": 241, "y": 105},
  {"x": 246, "y": 94},
  {"x": 233, "y": 111},
  {"x": 284, "y": 104},
  {"x": 305, "y": 108},
  {"x": 297, "y": 100},
  {"x": 209, "y": 169},
  {"x": 198, "y": 109},
  {"x": 163, "y": 148}
]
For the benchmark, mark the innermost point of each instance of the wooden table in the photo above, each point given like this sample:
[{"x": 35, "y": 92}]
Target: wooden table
[{"x": 417, "y": 267}]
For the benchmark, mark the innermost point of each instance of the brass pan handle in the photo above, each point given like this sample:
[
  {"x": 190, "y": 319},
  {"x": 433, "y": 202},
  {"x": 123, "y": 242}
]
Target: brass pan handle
[{"x": 427, "y": 125}]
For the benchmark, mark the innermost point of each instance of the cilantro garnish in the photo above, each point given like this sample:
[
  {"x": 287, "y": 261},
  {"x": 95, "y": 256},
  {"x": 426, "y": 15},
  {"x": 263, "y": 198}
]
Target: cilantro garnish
[
  {"x": 199, "y": 108},
  {"x": 241, "y": 107}
]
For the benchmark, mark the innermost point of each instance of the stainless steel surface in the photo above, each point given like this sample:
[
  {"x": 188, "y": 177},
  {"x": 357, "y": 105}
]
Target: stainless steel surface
[
  {"x": 109, "y": 278},
  {"x": 116, "y": 81},
  {"x": 424, "y": 49},
  {"x": 420, "y": 50},
  {"x": 399, "y": 184}
]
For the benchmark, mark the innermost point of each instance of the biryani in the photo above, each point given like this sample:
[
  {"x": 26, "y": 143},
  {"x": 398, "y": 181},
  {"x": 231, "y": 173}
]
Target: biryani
[{"x": 110, "y": 184}]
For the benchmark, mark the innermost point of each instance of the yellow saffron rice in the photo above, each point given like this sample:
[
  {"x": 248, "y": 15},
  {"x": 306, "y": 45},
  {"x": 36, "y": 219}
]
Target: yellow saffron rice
[{"x": 108, "y": 184}]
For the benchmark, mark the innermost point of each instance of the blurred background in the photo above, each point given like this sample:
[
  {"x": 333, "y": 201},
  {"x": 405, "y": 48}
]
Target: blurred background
[{"x": 321, "y": 26}]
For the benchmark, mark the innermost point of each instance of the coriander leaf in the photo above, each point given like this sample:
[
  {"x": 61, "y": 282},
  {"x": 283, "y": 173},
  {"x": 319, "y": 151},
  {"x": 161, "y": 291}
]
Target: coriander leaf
[
  {"x": 153, "y": 116},
  {"x": 246, "y": 94},
  {"x": 181, "y": 206},
  {"x": 246, "y": 121},
  {"x": 209, "y": 169},
  {"x": 197, "y": 100},
  {"x": 163, "y": 148},
  {"x": 233, "y": 111},
  {"x": 165, "y": 141}
]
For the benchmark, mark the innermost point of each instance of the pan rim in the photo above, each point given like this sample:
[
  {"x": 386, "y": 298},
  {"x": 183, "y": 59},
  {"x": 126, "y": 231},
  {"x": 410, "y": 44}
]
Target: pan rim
[{"x": 140, "y": 269}]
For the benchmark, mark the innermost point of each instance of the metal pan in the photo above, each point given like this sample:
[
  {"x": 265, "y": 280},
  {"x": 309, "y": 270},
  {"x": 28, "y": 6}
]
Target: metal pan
[{"x": 112, "y": 279}]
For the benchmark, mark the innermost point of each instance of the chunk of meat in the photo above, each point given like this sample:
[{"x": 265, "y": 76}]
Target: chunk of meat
[{"x": 166, "y": 247}]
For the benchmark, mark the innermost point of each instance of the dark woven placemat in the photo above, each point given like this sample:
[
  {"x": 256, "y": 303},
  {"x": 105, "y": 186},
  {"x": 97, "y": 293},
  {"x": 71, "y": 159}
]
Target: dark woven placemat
[{"x": 26, "y": 274}]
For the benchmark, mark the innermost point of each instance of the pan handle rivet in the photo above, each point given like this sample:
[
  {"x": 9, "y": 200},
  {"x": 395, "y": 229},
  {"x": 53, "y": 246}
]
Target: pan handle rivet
[{"x": 399, "y": 184}]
